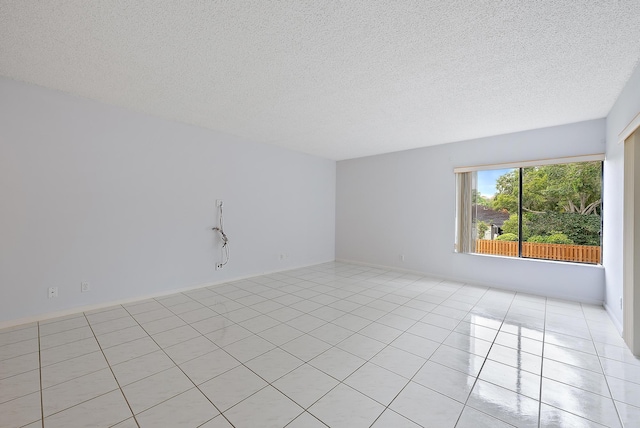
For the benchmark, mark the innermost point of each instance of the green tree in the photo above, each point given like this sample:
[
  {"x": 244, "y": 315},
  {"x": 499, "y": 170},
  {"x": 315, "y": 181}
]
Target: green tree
[
  {"x": 482, "y": 229},
  {"x": 575, "y": 187},
  {"x": 581, "y": 229},
  {"x": 478, "y": 199},
  {"x": 556, "y": 199},
  {"x": 507, "y": 237},
  {"x": 511, "y": 226},
  {"x": 572, "y": 188},
  {"x": 507, "y": 187},
  {"x": 555, "y": 238}
]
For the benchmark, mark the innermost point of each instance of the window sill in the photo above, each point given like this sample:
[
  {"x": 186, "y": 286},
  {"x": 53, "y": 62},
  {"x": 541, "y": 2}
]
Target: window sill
[{"x": 531, "y": 260}]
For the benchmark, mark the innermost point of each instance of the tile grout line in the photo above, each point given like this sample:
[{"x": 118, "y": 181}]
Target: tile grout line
[
  {"x": 387, "y": 345},
  {"x": 278, "y": 347},
  {"x": 544, "y": 341},
  {"x": 357, "y": 331},
  {"x": 114, "y": 376},
  {"x": 475, "y": 381},
  {"x": 498, "y": 331},
  {"x": 386, "y": 407},
  {"x": 477, "y": 377},
  {"x": 592, "y": 342},
  {"x": 305, "y": 410},
  {"x": 181, "y": 370},
  {"x": 17, "y": 341},
  {"x": 410, "y": 379},
  {"x": 606, "y": 380},
  {"x": 350, "y": 287},
  {"x": 40, "y": 370}
]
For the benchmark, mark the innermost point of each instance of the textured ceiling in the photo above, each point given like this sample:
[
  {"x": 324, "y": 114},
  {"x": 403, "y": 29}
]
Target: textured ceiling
[{"x": 338, "y": 79}]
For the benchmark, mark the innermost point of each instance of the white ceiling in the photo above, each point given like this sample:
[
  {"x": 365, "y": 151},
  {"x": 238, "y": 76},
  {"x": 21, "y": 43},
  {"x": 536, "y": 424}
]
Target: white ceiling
[{"x": 338, "y": 79}]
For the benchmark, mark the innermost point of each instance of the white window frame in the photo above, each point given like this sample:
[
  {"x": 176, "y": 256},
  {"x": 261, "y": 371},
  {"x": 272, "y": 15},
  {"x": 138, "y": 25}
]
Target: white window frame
[{"x": 461, "y": 244}]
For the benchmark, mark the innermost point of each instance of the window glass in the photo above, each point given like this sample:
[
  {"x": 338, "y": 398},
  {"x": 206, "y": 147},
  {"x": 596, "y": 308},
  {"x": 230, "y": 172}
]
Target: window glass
[
  {"x": 496, "y": 212},
  {"x": 560, "y": 217},
  {"x": 561, "y": 212}
]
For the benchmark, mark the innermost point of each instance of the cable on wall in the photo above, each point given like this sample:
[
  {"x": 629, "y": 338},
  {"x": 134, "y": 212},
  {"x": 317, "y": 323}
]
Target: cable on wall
[{"x": 223, "y": 236}]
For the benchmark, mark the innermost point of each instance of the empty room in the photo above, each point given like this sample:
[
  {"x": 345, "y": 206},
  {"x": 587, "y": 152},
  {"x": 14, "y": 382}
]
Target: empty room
[{"x": 307, "y": 214}]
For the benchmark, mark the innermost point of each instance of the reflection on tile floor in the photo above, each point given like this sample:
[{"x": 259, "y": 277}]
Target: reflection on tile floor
[{"x": 333, "y": 345}]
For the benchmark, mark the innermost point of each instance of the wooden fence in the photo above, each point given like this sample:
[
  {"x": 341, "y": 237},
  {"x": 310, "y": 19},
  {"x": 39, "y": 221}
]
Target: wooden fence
[{"x": 570, "y": 253}]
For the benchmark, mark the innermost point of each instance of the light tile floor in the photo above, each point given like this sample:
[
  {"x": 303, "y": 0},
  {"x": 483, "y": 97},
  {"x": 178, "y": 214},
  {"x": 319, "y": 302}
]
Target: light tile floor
[{"x": 331, "y": 345}]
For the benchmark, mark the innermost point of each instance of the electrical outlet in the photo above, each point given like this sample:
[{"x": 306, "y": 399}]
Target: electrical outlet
[
  {"x": 53, "y": 292},
  {"x": 84, "y": 287},
  {"x": 218, "y": 202}
]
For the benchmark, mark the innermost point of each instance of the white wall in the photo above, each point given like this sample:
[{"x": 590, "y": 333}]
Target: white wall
[
  {"x": 404, "y": 203},
  {"x": 627, "y": 106},
  {"x": 91, "y": 192}
]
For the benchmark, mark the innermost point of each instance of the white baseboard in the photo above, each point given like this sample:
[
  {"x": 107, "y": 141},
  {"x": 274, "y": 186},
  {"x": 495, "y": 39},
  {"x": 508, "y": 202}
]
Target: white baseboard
[
  {"x": 86, "y": 308},
  {"x": 392, "y": 268},
  {"x": 614, "y": 320}
]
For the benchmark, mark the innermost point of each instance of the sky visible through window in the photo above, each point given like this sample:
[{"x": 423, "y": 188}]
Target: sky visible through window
[{"x": 487, "y": 181}]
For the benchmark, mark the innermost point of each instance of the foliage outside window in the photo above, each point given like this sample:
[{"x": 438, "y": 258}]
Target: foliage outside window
[{"x": 556, "y": 214}]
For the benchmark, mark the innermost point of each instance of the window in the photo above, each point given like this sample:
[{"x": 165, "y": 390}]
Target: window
[{"x": 548, "y": 210}]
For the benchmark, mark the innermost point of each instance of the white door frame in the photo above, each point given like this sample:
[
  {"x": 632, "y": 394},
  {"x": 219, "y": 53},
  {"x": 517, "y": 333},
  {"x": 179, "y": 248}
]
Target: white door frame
[{"x": 631, "y": 242}]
